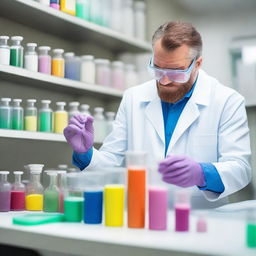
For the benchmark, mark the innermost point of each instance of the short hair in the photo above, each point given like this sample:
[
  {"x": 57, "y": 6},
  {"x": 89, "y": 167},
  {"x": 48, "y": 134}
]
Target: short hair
[{"x": 176, "y": 33}]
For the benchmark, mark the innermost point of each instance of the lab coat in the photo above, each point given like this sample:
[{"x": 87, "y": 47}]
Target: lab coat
[{"x": 212, "y": 128}]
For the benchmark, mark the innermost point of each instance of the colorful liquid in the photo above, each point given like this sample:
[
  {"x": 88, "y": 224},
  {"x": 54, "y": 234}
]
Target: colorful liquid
[
  {"x": 82, "y": 10},
  {"x": 16, "y": 57},
  {"x": 17, "y": 120},
  {"x": 158, "y": 206},
  {"x": 136, "y": 198},
  {"x": 60, "y": 121},
  {"x": 182, "y": 217},
  {"x": 5, "y": 201},
  {"x": 44, "y": 64},
  {"x": 5, "y": 118},
  {"x": 58, "y": 67},
  {"x": 17, "y": 200},
  {"x": 73, "y": 209},
  {"x": 93, "y": 207},
  {"x": 34, "y": 202},
  {"x": 251, "y": 235},
  {"x": 51, "y": 201},
  {"x": 31, "y": 123},
  {"x": 45, "y": 122},
  {"x": 61, "y": 202},
  {"x": 114, "y": 205},
  {"x": 68, "y": 6}
]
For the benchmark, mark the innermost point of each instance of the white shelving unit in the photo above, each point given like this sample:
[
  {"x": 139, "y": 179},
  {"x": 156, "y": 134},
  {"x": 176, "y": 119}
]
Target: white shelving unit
[
  {"x": 26, "y": 135},
  {"x": 23, "y": 76},
  {"x": 71, "y": 28}
]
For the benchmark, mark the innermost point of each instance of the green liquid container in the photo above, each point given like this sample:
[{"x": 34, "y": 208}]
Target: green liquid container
[
  {"x": 17, "y": 52},
  {"x": 51, "y": 194},
  {"x": 251, "y": 235},
  {"x": 73, "y": 209},
  {"x": 5, "y": 114},
  {"x": 83, "y": 9},
  {"x": 17, "y": 115},
  {"x": 45, "y": 117}
]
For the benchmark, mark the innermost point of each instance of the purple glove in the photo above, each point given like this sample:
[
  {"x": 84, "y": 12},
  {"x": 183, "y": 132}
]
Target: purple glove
[
  {"x": 181, "y": 171},
  {"x": 79, "y": 133}
]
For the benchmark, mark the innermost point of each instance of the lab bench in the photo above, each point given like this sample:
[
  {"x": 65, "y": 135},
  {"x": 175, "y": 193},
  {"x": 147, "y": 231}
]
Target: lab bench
[{"x": 225, "y": 236}]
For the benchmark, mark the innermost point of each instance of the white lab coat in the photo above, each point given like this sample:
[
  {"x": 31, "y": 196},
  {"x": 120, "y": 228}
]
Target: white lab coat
[{"x": 212, "y": 128}]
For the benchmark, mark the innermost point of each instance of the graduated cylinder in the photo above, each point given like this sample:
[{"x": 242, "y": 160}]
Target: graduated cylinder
[
  {"x": 135, "y": 162},
  {"x": 114, "y": 205}
]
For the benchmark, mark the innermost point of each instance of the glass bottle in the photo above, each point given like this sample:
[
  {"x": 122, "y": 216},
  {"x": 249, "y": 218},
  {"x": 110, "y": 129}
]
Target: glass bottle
[
  {"x": 5, "y": 192},
  {"x": 84, "y": 109},
  {"x": 139, "y": 17},
  {"x": 58, "y": 63},
  {"x": 73, "y": 109},
  {"x": 99, "y": 124},
  {"x": 116, "y": 15},
  {"x": 96, "y": 11},
  {"x": 17, "y": 115},
  {"x": 68, "y": 6},
  {"x": 128, "y": 18},
  {"x": 118, "y": 81},
  {"x": 251, "y": 228},
  {"x": 31, "y": 116},
  {"x": 4, "y": 50},
  {"x": 131, "y": 77},
  {"x": 44, "y": 60},
  {"x": 16, "y": 57},
  {"x": 31, "y": 57},
  {"x": 5, "y": 114},
  {"x": 51, "y": 194},
  {"x": 83, "y": 9},
  {"x": 34, "y": 189},
  {"x": 60, "y": 117},
  {"x": 88, "y": 69},
  {"x": 109, "y": 123},
  {"x": 103, "y": 72},
  {"x": 55, "y": 4},
  {"x": 62, "y": 184},
  {"x": 18, "y": 193},
  {"x": 45, "y": 117},
  {"x": 72, "y": 66}
]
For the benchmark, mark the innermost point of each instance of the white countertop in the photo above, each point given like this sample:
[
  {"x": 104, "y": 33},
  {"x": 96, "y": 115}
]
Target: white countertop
[{"x": 225, "y": 236}]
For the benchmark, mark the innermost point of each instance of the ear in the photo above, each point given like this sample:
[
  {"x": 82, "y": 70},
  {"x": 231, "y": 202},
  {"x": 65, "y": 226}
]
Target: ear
[{"x": 199, "y": 62}]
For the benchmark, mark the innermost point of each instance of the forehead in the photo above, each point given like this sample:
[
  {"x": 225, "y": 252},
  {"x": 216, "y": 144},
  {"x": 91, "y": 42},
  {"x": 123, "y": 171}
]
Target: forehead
[{"x": 170, "y": 58}]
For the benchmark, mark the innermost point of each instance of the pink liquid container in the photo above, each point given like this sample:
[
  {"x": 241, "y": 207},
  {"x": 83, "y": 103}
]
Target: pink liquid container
[
  {"x": 44, "y": 60},
  {"x": 18, "y": 193},
  {"x": 5, "y": 192},
  {"x": 118, "y": 78},
  {"x": 182, "y": 210},
  {"x": 103, "y": 72}
]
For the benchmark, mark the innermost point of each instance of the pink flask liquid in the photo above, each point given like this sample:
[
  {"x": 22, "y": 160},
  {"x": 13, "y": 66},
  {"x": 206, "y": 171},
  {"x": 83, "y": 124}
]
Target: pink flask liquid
[{"x": 17, "y": 200}]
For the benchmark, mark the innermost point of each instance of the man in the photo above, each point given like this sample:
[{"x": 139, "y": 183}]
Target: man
[{"x": 197, "y": 126}]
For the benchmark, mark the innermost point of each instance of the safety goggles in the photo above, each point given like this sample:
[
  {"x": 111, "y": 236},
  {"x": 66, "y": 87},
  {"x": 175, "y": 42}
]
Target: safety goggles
[{"x": 175, "y": 75}]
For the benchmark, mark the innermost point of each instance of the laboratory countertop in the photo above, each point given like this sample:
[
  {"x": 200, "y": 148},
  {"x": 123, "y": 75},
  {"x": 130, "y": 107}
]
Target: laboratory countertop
[{"x": 225, "y": 236}]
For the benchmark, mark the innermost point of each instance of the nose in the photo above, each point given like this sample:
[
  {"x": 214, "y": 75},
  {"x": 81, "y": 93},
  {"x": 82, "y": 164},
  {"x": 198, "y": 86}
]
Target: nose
[{"x": 165, "y": 80}]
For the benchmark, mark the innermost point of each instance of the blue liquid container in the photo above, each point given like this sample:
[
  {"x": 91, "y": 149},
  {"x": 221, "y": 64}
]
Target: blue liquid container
[{"x": 93, "y": 201}]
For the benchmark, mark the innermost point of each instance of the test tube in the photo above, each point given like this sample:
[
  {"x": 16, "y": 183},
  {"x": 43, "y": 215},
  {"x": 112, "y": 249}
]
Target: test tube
[
  {"x": 158, "y": 201},
  {"x": 114, "y": 194},
  {"x": 182, "y": 210},
  {"x": 136, "y": 167},
  {"x": 93, "y": 196}
]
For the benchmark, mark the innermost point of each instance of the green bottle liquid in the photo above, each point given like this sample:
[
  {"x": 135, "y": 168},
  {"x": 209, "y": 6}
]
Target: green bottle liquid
[
  {"x": 17, "y": 115},
  {"x": 83, "y": 9},
  {"x": 5, "y": 114},
  {"x": 45, "y": 117},
  {"x": 16, "y": 54},
  {"x": 51, "y": 194}
]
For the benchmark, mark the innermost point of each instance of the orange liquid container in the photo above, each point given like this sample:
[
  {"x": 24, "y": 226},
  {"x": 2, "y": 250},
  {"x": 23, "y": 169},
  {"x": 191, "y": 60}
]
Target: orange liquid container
[
  {"x": 136, "y": 197},
  {"x": 58, "y": 67}
]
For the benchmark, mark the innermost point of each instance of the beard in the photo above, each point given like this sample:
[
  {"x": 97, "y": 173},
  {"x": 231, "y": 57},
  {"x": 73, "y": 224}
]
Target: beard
[{"x": 174, "y": 92}]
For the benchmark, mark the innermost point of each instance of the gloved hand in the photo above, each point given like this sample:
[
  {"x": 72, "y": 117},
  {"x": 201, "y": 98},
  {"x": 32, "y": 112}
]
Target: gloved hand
[
  {"x": 181, "y": 171},
  {"x": 79, "y": 133}
]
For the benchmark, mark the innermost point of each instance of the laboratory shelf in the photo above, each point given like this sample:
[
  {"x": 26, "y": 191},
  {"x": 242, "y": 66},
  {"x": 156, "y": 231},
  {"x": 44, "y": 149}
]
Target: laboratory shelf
[
  {"x": 49, "y": 20},
  {"x": 26, "y": 77},
  {"x": 16, "y": 134}
]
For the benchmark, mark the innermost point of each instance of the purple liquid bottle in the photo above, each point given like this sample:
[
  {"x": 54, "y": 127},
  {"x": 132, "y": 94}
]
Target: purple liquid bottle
[
  {"x": 182, "y": 210},
  {"x": 5, "y": 192},
  {"x": 44, "y": 60}
]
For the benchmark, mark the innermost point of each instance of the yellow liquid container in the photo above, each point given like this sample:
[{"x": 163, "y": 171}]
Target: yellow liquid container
[
  {"x": 58, "y": 68},
  {"x": 34, "y": 202},
  {"x": 60, "y": 121},
  {"x": 31, "y": 123},
  {"x": 114, "y": 205},
  {"x": 68, "y": 6}
]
